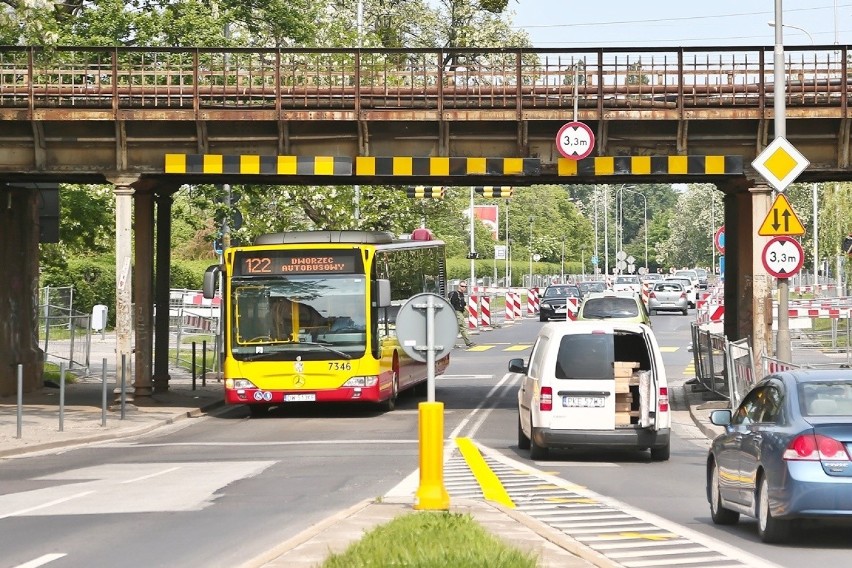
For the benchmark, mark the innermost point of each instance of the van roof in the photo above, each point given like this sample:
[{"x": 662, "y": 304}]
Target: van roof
[{"x": 590, "y": 326}]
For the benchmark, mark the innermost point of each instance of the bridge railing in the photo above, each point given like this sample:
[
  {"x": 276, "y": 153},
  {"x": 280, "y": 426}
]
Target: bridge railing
[{"x": 437, "y": 80}]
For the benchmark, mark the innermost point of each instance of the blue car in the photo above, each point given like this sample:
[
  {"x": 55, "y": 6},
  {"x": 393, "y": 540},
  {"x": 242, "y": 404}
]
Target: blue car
[{"x": 785, "y": 453}]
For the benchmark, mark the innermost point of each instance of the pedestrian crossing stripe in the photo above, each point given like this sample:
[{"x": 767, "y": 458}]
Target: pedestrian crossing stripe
[
  {"x": 518, "y": 348},
  {"x": 669, "y": 349}
]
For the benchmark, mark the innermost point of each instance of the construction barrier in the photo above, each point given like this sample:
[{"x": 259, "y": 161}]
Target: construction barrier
[
  {"x": 510, "y": 308},
  {"x": 532, "y": 302},
  {"x": 473, "y": 312},
  {"x": 572, "y": 306},
  {"x": 485, "y": 312}
]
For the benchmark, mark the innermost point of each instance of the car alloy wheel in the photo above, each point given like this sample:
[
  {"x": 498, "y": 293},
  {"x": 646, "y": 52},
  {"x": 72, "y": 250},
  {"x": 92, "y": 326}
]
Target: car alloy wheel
[
  {"x": 719, "y": 514},
  {"x": 769, "y": 529}
]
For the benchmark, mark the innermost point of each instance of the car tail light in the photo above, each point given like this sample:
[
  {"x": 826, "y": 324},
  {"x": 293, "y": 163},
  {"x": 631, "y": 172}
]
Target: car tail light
[
  {"x": 683, "y": 295},
  {"x": 664, "y": 399},
  {"x": 546, "y": 403},
  {"x": 652, "y": 295},
  {"x": 815, "y": 447}
]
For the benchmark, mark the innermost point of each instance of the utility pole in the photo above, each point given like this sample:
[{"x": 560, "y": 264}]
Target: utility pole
[{"x": 783, "y": 350}]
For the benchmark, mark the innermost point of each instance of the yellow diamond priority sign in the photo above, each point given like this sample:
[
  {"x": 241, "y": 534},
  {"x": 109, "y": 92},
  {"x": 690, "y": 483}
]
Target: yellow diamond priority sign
[
  {"x": 780, "y": 164},
  {"x": 781, "y": 220}
]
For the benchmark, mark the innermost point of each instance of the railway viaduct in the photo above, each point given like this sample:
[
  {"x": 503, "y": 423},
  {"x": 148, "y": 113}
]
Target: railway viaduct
[{"x": 149, "y": 120}]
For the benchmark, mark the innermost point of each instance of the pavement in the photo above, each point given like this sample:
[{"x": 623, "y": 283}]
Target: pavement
[{"x": 84, "y": 420}]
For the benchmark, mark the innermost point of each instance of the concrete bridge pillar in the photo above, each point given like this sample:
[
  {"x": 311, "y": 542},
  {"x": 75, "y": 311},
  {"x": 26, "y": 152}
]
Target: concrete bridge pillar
[
  {"x": 19, "y": 292},
  {"x": 761, "y": 199},
  {"x": 123, "y": 278},
  {"x": 143, "y": 297},
  {"x": 161, "y": 290},
  {"x": 748, "y": 287}
]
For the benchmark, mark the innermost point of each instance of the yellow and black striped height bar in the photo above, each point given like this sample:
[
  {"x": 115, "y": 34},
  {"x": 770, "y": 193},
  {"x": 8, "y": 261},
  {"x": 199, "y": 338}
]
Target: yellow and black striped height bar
[
  {"x": 651, "y": 165},
  {"x": 445, "y": 166},
  {"x": 425, "y": 191},
  {"x": 494, "y": 190},
  {"x": 248, "y": 164}
]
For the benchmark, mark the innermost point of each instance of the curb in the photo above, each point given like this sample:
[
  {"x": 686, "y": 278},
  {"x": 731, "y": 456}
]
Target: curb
[
  {"x": 306, "y": 535},
  {"x": 126, "y": 433}
]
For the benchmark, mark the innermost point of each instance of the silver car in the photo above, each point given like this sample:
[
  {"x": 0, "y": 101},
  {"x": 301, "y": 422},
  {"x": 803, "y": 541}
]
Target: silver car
[{"x": 669, "y": 297}]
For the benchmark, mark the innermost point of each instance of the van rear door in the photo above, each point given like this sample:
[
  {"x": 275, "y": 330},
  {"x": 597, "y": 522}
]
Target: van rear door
[{"x": 584, "y": 383}]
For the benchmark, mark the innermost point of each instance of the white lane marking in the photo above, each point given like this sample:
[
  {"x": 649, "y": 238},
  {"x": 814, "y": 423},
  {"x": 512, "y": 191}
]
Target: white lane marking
[
  {"x": 461, "y": 377},
  {"x": 45, "y": 505},
  {"x": 243, "y": 444},
  {"x": 150, "y": 475},
  {"x": 185, "y": 486},
  {"x": 41, "y": 560},
  {"x": 487, "y": 400}
]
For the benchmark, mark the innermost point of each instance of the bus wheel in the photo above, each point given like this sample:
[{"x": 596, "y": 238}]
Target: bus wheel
[{"x": 390, "y": 403}]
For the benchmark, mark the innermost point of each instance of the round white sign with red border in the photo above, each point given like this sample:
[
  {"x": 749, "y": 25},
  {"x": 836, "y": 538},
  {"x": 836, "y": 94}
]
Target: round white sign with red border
[
  {"x": 575, "y": 140},
  {"x": 783, "y": 257},
  {"x": 719, "y": 239}
]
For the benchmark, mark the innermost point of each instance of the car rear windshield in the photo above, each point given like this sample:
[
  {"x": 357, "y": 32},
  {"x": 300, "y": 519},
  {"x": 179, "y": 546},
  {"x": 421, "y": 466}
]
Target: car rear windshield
[
  {"x": 614, "y": 307},
  {"x": 830, "y": 398},
  {"x": 670, "y": 287},
  {"x": 585, "y": 356}
]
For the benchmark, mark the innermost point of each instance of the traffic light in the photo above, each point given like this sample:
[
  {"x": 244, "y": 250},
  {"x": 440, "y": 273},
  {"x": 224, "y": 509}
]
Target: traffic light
[
  {"x": 425, "y": 191},
  {"x": 494, "y": 190}
]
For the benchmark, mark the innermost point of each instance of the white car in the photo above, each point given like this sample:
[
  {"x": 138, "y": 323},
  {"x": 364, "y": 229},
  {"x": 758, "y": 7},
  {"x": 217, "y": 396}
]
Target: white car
[
  {"x": 592, "y": 385},
  {"x": 627, "y": 284},
  {"x": 691, "y": 290}
]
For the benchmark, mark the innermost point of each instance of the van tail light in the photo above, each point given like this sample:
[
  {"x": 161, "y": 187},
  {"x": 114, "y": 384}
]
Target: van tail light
[
  {"x": 815, "y": 447},
  {"x": 664, "y": 399},
  {"x": 546, "y": 403}
]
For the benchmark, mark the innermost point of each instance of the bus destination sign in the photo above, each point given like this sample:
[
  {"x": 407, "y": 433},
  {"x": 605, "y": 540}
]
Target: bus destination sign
[{"x": 286, "y": 262}]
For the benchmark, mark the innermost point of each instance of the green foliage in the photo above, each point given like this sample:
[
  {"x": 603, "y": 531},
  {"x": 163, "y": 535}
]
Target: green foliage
[
  {"x": 93, "y": 279},
  {"x": 431, "y": 540}
]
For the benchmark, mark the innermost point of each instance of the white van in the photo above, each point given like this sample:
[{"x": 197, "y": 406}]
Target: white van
[{"x": 593, "y": 384}]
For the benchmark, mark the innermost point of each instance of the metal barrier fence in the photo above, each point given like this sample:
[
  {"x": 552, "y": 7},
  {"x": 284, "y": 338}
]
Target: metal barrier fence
[
  {"x": 66, "y": 336},
  {"x": 723, "y": 368}
]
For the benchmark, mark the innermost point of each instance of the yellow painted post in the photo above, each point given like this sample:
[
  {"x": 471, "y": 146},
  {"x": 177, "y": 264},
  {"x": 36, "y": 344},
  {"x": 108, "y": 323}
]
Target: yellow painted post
[{"x": 431, "y": 495}]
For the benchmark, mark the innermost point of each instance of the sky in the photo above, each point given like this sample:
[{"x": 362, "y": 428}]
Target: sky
[{"x": 674, "y": 23}]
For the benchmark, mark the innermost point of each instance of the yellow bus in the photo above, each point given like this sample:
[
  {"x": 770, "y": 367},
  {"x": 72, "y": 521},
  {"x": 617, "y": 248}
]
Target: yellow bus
[{"x": 309, "y": 316}]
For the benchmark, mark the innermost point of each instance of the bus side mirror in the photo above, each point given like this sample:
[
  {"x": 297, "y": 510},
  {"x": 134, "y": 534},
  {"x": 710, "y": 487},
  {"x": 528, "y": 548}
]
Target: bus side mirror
[
  {"x": 211, "y": 278},
  {"x": 383, "y": 294}
]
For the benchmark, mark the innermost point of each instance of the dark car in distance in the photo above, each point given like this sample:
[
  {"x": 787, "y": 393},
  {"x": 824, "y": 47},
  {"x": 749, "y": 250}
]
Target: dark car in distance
[
  {"x": 591, "y": 286},
  {"x": 786, "y": 453},
  {"x": 553, "y": 304}
]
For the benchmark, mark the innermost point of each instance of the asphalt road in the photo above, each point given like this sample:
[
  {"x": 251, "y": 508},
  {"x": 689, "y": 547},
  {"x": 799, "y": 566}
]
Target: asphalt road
[{"x": 219, "y": 491}]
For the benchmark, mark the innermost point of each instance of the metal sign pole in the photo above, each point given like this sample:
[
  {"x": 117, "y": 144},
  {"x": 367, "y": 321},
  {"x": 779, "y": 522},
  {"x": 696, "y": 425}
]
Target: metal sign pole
[
  {"x": 783, "y": 349},
  {"x": 430, "y": 348}
]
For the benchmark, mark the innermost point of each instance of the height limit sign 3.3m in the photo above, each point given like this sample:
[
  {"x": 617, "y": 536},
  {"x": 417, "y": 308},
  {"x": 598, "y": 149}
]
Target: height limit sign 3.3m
[{"x": 575, "y": 140}]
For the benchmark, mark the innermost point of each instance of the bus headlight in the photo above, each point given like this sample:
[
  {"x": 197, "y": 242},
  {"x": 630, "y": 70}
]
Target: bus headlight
[
  {"x": 239, "y": 384},
  {"x": 368, "y": 381}
]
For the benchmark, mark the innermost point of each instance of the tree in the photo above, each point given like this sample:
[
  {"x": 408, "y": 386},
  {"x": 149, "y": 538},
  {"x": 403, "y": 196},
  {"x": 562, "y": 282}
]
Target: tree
[{"x": 691, "y": 234}]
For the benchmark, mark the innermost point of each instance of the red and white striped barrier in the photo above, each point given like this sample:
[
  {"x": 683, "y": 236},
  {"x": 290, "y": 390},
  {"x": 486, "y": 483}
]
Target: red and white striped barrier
[
  {"x": 809, "y": 289},
  {"x": 485, "y": 312},
  {"x": 510, "y": 308},
  {"x": 200, "y": 300},
  {"x": 572, "y": 306},
  {"x": 717, "y": 313},
  {"x": 646, "y": 292},
  {"x": 472, "y": 312},
  {"x": 532, "y": 302}
]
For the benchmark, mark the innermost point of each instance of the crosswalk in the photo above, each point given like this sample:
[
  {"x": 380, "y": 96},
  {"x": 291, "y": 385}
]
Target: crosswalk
[{"x": 627, "y": 536}]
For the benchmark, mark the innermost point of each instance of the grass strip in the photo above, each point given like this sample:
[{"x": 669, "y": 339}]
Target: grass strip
[{"x": 431, "y": 540}]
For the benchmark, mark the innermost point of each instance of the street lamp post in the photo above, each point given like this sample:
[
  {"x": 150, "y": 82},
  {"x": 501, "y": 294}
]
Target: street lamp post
[
  {"x": 531, "y": 251},
  {"x": 562, "y": 263},
  {"x": 645, "y": 208},
  {"x": 508, "y": 281}
]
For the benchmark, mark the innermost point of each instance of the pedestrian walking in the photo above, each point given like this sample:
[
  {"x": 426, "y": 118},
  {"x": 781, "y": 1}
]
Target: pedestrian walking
[{"x": 459, "y": 303}]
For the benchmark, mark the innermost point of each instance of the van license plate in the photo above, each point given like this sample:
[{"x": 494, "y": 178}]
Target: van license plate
[
  {"x": 311, "y": 397},
  {"x": 583, "y": 401}
]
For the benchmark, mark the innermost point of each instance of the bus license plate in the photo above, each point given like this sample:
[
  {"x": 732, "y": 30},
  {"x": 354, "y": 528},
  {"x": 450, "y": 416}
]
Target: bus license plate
[
  {"x": 583, "y": 401},
  {"x": 308, "y": 397}
]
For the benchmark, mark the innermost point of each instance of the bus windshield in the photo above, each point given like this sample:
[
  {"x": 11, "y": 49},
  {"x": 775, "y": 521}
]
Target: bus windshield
[{"x": 308, "y": 316}]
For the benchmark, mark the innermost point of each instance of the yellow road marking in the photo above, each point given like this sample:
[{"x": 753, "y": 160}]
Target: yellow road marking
[
  {"x": 579, "y": 500},
  {"x": 647, "y": 536},
  {"x": 518, "y": 348},
  {"x": 669, "y": 349},
  {"x": 492, "y": 488}
]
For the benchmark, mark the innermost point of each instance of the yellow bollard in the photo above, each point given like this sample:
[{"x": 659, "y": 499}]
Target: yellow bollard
[{"x": 431, "y": 495}]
